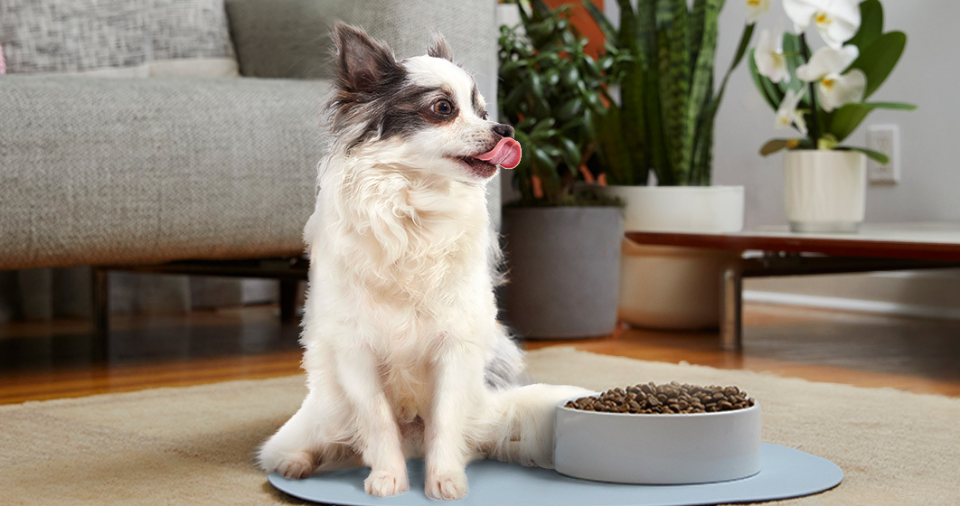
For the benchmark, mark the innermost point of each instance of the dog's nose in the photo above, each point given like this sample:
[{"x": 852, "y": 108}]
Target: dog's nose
[{"x": 503, "y": 130}]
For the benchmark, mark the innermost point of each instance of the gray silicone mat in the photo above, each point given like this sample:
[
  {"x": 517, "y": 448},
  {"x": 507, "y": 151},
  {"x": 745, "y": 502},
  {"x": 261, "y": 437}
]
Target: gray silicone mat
[{"x": 786, "y": 473}]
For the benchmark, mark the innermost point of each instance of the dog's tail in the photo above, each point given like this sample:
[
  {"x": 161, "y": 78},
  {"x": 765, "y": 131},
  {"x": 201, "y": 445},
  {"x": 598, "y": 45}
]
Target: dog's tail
[
  {"x": 522, "y": 421},
  {"x": 505, "y": 368}
]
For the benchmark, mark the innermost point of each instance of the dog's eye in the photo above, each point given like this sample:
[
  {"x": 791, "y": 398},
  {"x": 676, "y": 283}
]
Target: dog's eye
[{"x": 442, "y": 107}]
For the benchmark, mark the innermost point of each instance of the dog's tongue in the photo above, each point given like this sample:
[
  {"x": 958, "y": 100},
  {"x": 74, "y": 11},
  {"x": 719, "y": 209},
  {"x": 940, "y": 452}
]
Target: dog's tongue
[{"x": 505, "y": 154}]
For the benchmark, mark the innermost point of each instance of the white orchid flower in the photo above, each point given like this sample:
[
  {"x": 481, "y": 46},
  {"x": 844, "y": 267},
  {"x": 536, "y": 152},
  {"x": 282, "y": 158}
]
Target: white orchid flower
[
  {"x": 788, "y": 114},
  {"x": 769, "y": 57},
  {"x": 755, "y": 9},
  {"x": 827, "y": 60},
  {"x": 836, "y": 20},
  {"x": 836, "y": 90}
]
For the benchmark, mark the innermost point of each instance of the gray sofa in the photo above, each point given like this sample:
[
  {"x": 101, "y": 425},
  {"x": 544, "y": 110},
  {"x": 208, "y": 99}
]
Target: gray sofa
[{"x": 126, "y": 171}]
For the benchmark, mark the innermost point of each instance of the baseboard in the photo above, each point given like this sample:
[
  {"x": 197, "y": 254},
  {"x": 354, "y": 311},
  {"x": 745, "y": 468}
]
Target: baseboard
[{"x": 866, "y": 306}]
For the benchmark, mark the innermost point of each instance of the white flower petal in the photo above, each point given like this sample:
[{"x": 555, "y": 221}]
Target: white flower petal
[
  {"x": 801, "y": 11},
  {"x": 835, "y": 90},
  {"x": 787, "y": 113},
  {"x": 827, "y": 60},
  {"x": 838, "y": 22},
  {"x": 769, "y": 58},
  {"x": 800, "y": 123},
  {"x": 755, "y": 9}
]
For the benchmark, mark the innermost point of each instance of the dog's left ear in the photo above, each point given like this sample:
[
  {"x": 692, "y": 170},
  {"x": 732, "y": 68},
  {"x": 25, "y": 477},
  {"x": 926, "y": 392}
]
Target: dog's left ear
[
  {"x": 440, "y": 48},
  {"x": 364, "y": 64}
]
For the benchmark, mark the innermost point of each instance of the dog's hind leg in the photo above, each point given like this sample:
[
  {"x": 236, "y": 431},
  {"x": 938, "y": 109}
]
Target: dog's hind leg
[
  {"x": 295, "y": 450},
  {"x": 520, "y": 423}
]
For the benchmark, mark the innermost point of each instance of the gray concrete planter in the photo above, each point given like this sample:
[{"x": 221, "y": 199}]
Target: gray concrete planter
[{"x": 564, "y": 272}]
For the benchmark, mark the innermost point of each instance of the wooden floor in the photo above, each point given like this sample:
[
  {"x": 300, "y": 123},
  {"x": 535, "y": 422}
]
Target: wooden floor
[{"x": 51, "y": 360}]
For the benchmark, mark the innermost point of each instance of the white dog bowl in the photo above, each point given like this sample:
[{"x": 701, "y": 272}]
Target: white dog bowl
[{"x": 657, "y": 449}]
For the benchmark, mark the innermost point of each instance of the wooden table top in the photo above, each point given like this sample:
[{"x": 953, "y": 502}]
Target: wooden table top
[{"x": 922, "y": 241}]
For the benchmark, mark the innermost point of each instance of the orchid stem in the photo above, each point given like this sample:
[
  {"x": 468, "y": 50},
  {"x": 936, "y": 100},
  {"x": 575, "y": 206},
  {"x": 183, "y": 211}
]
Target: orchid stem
[{"x": 814, "y": 112}]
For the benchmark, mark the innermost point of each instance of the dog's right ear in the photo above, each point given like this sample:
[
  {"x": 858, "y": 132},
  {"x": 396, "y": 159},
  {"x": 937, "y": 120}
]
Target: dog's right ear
[{"x": 364, "y": 64}]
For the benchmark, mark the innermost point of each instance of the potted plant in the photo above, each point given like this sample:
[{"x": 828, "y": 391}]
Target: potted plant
[
  {"x": 562, "y": 245},
  {"x": 662, "y": 125},
  {"x": 823, "y": 95}
]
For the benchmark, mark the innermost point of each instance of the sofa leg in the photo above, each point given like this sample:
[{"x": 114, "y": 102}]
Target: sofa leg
[
  {"x": 100, "y": 341},
  {"x": 288, "y": 300}
]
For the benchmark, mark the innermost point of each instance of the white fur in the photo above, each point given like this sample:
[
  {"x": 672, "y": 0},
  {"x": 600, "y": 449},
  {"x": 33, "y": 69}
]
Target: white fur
[{"x": 401, "y": 317}]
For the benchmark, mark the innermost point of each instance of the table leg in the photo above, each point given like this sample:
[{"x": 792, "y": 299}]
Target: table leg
[{"x": 731, "y": 309}]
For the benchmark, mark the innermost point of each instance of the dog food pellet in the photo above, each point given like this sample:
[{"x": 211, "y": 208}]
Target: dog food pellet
[{"x": 670, "y": 398}]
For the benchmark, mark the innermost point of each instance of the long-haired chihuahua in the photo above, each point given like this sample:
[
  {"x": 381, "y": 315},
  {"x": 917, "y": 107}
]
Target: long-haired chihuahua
[{"x": 403, "y": 352}]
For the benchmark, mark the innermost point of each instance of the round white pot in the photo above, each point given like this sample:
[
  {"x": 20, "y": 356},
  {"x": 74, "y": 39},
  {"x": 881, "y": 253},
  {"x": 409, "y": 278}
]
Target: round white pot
[
  {"x": 675, "y": 288},
  {"x": 825, "y": 191}
]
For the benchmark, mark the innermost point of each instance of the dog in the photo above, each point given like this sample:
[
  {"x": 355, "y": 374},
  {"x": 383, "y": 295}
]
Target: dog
[{"x": 402, "y": 348}]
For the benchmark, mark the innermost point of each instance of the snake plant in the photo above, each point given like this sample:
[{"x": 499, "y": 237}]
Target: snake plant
[{"x": 665, "y": 116}]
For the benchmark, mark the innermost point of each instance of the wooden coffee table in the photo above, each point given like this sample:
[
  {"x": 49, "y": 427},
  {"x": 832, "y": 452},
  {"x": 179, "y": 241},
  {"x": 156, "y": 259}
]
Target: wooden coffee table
[{"x": 877, "y": 247}]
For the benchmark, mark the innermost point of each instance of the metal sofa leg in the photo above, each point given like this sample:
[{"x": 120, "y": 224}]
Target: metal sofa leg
[
  {"x": 288, "y": 300},
  {"x": 100, "y": 342}
]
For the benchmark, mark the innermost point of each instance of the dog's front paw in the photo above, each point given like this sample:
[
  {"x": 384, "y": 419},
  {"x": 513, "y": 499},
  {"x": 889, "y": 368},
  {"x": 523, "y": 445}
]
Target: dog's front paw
[
  {"x": 446, "y": 486},
  {"x": 385, "y": 483},
  {"x": 296, "y": 467}
]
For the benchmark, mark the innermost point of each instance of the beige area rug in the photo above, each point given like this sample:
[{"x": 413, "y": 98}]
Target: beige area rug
[{"x": 193, "y": 445}]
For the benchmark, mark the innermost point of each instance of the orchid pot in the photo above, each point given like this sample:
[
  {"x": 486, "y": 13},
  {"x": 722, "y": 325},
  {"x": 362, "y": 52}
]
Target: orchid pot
[{"x": 825, "y": 191}]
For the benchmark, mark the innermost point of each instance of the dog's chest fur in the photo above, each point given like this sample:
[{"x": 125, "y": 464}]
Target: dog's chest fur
[{"x": 412, "y": 243}]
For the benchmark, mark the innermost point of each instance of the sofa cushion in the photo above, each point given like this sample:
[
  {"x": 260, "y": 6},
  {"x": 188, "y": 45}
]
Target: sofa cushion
[
  {"x": 283, "y": 38},
  {"x": 154, "y": 170},
  {"x": 75, "y": 37}
]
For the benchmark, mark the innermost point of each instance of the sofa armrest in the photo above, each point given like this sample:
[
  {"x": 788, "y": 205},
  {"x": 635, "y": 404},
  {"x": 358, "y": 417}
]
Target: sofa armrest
[{"x": 96, "y": 171}]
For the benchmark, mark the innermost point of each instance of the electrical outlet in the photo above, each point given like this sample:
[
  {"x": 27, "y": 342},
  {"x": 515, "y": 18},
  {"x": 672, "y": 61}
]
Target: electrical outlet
[{"x": 885, "y": 139}]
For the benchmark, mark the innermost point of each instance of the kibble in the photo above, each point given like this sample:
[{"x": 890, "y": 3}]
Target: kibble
[{"x": 669, "y": 398}]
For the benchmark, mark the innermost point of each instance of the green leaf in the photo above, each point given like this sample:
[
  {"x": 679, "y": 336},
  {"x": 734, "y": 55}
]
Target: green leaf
[
  {"x": 544, "y": 124},
  {"x": 570, "y": 76},
  {"x": 536, "y": 84},
  {"x": 571, "y": 153},
  {"x": 873, "y": 155},
  {"x": 698, "y": 124},
  {"x": 847, "y": 118},
  {"x": 791, "y": 51},
  {"x": 773, "y": 146},
  {"x": 609, "y": 32},
  {"x": 744, "y": 44},
  {"x": 570, "y": 109},
  {"x": 541, "y": 8},
  {"x": 879, "y": 58},
  {"x": 675, "y": 84},
  {"x": 697, "y": 21},
  {"x": 871, "y": 24}
]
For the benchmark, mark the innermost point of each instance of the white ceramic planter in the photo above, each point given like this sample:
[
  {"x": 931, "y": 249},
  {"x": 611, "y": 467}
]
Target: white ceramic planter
[
  {"x": 675, "y": 288},
  {"x": 825, "y": 191},
  {"x": 657, "y": 449}
]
